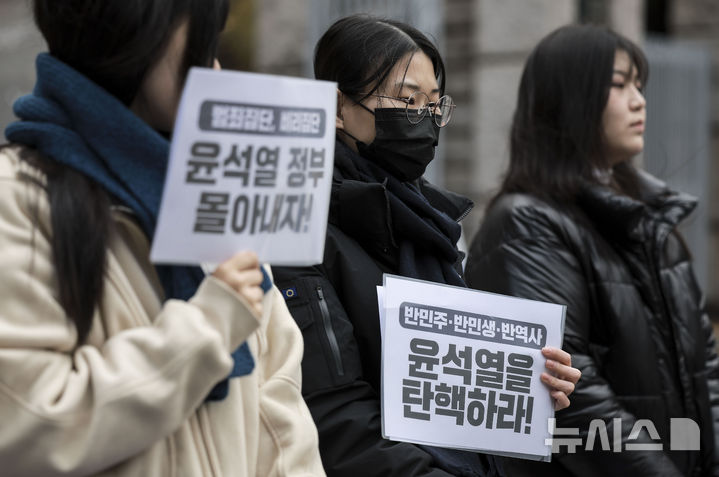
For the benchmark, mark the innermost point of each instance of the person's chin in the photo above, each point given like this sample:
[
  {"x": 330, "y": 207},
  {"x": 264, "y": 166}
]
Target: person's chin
[
  {"x": 639, "y": 148},
  {"x": 635, "y": 147}
]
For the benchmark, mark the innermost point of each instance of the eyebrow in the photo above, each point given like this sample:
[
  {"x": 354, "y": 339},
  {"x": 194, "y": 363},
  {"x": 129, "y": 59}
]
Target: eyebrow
[{"x": 412, "y": 86}]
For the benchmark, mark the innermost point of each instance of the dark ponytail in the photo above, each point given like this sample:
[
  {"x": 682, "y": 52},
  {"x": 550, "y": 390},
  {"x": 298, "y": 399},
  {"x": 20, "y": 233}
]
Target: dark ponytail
[
  {"x": 78, "y": 246},
  {"x": 80, "y": 220}
]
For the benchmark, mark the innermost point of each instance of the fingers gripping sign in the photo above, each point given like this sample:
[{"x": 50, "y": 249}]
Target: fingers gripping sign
[
  {"x": 242, "y": 272},
  {"x": 561, "y": 378}
]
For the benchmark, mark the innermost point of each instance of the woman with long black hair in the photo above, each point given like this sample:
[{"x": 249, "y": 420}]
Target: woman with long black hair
[
  {"x": 109, "y": 365},
  {"x": 384, "y": 218},
  {"x": 576, "y": 223}
]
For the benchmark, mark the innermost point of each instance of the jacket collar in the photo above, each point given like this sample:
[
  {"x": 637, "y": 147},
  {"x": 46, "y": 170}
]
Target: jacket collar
[
  {"x": 454, "y": 205},
  {"x": 628, "y": 216}
]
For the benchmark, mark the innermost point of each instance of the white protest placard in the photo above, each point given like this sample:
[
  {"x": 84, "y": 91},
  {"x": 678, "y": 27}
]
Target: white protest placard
[
  {"x": 250, "y": 169},
  {"x": 461, "y": 368}
]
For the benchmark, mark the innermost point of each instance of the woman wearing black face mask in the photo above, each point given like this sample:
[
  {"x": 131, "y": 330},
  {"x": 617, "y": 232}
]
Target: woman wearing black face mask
[{"x": 384, "y": 217}]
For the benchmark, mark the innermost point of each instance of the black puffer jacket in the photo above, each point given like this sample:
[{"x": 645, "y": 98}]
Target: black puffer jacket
[
  {"x": 635, "y": 324},
  {"x": 335, "y": 306}
]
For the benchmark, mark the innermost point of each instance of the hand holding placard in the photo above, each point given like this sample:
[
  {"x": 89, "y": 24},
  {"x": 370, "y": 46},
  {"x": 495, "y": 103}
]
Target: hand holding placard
[
  {"x": 461, "y": 367},
  {"x": 242, "y": 273}
]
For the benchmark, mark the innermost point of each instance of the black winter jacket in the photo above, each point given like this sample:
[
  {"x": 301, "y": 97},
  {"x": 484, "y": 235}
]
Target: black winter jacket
[
  {"x": 635, "y": 322},
  {"x": 335, "y": 306}
]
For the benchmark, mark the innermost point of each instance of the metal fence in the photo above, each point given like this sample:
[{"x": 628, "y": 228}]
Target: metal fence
[{"x": 678, "y": 146}]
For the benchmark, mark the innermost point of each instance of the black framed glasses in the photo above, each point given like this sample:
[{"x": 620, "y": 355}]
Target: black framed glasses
[{"x": 418, "y": 105}]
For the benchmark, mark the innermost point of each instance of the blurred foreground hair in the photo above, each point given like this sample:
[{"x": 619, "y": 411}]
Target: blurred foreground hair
[{"x": 113, "y": 43}]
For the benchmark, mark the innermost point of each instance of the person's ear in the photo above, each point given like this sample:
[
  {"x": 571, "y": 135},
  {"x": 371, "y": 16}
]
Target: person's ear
[{"x": 339, "y": 119}]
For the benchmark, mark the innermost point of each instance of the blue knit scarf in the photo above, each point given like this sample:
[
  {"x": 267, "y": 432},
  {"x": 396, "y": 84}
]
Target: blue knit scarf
[{"x": 73, "y": 121}]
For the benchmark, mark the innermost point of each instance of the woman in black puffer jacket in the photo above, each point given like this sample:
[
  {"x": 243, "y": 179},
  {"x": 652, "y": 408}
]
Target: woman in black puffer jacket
[
  {"x": 575, "y": 223},
  {"x": 383, "y": 218}
]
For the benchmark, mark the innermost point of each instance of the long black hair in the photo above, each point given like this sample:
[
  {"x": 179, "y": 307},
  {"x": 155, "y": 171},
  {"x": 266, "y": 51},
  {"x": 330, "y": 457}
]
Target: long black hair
[
  {"x": 557, "y": 139},
  {"x": 359, "y": 51},
  {"x": 114, "y": 44}
]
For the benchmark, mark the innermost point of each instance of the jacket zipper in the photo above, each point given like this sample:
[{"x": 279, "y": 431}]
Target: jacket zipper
[
  {"x": 661, "y": 301},
  {"x": 464, "y": 214},
  {"x": 330, "y": 332}
]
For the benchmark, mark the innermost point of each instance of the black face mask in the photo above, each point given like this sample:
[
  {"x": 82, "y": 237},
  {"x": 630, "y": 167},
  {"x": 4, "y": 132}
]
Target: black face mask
[{"x": 399, "y": 147}]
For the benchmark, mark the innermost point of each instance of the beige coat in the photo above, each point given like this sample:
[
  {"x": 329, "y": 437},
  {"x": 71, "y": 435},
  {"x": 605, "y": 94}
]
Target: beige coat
[{"x": 130, "y": 401}]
